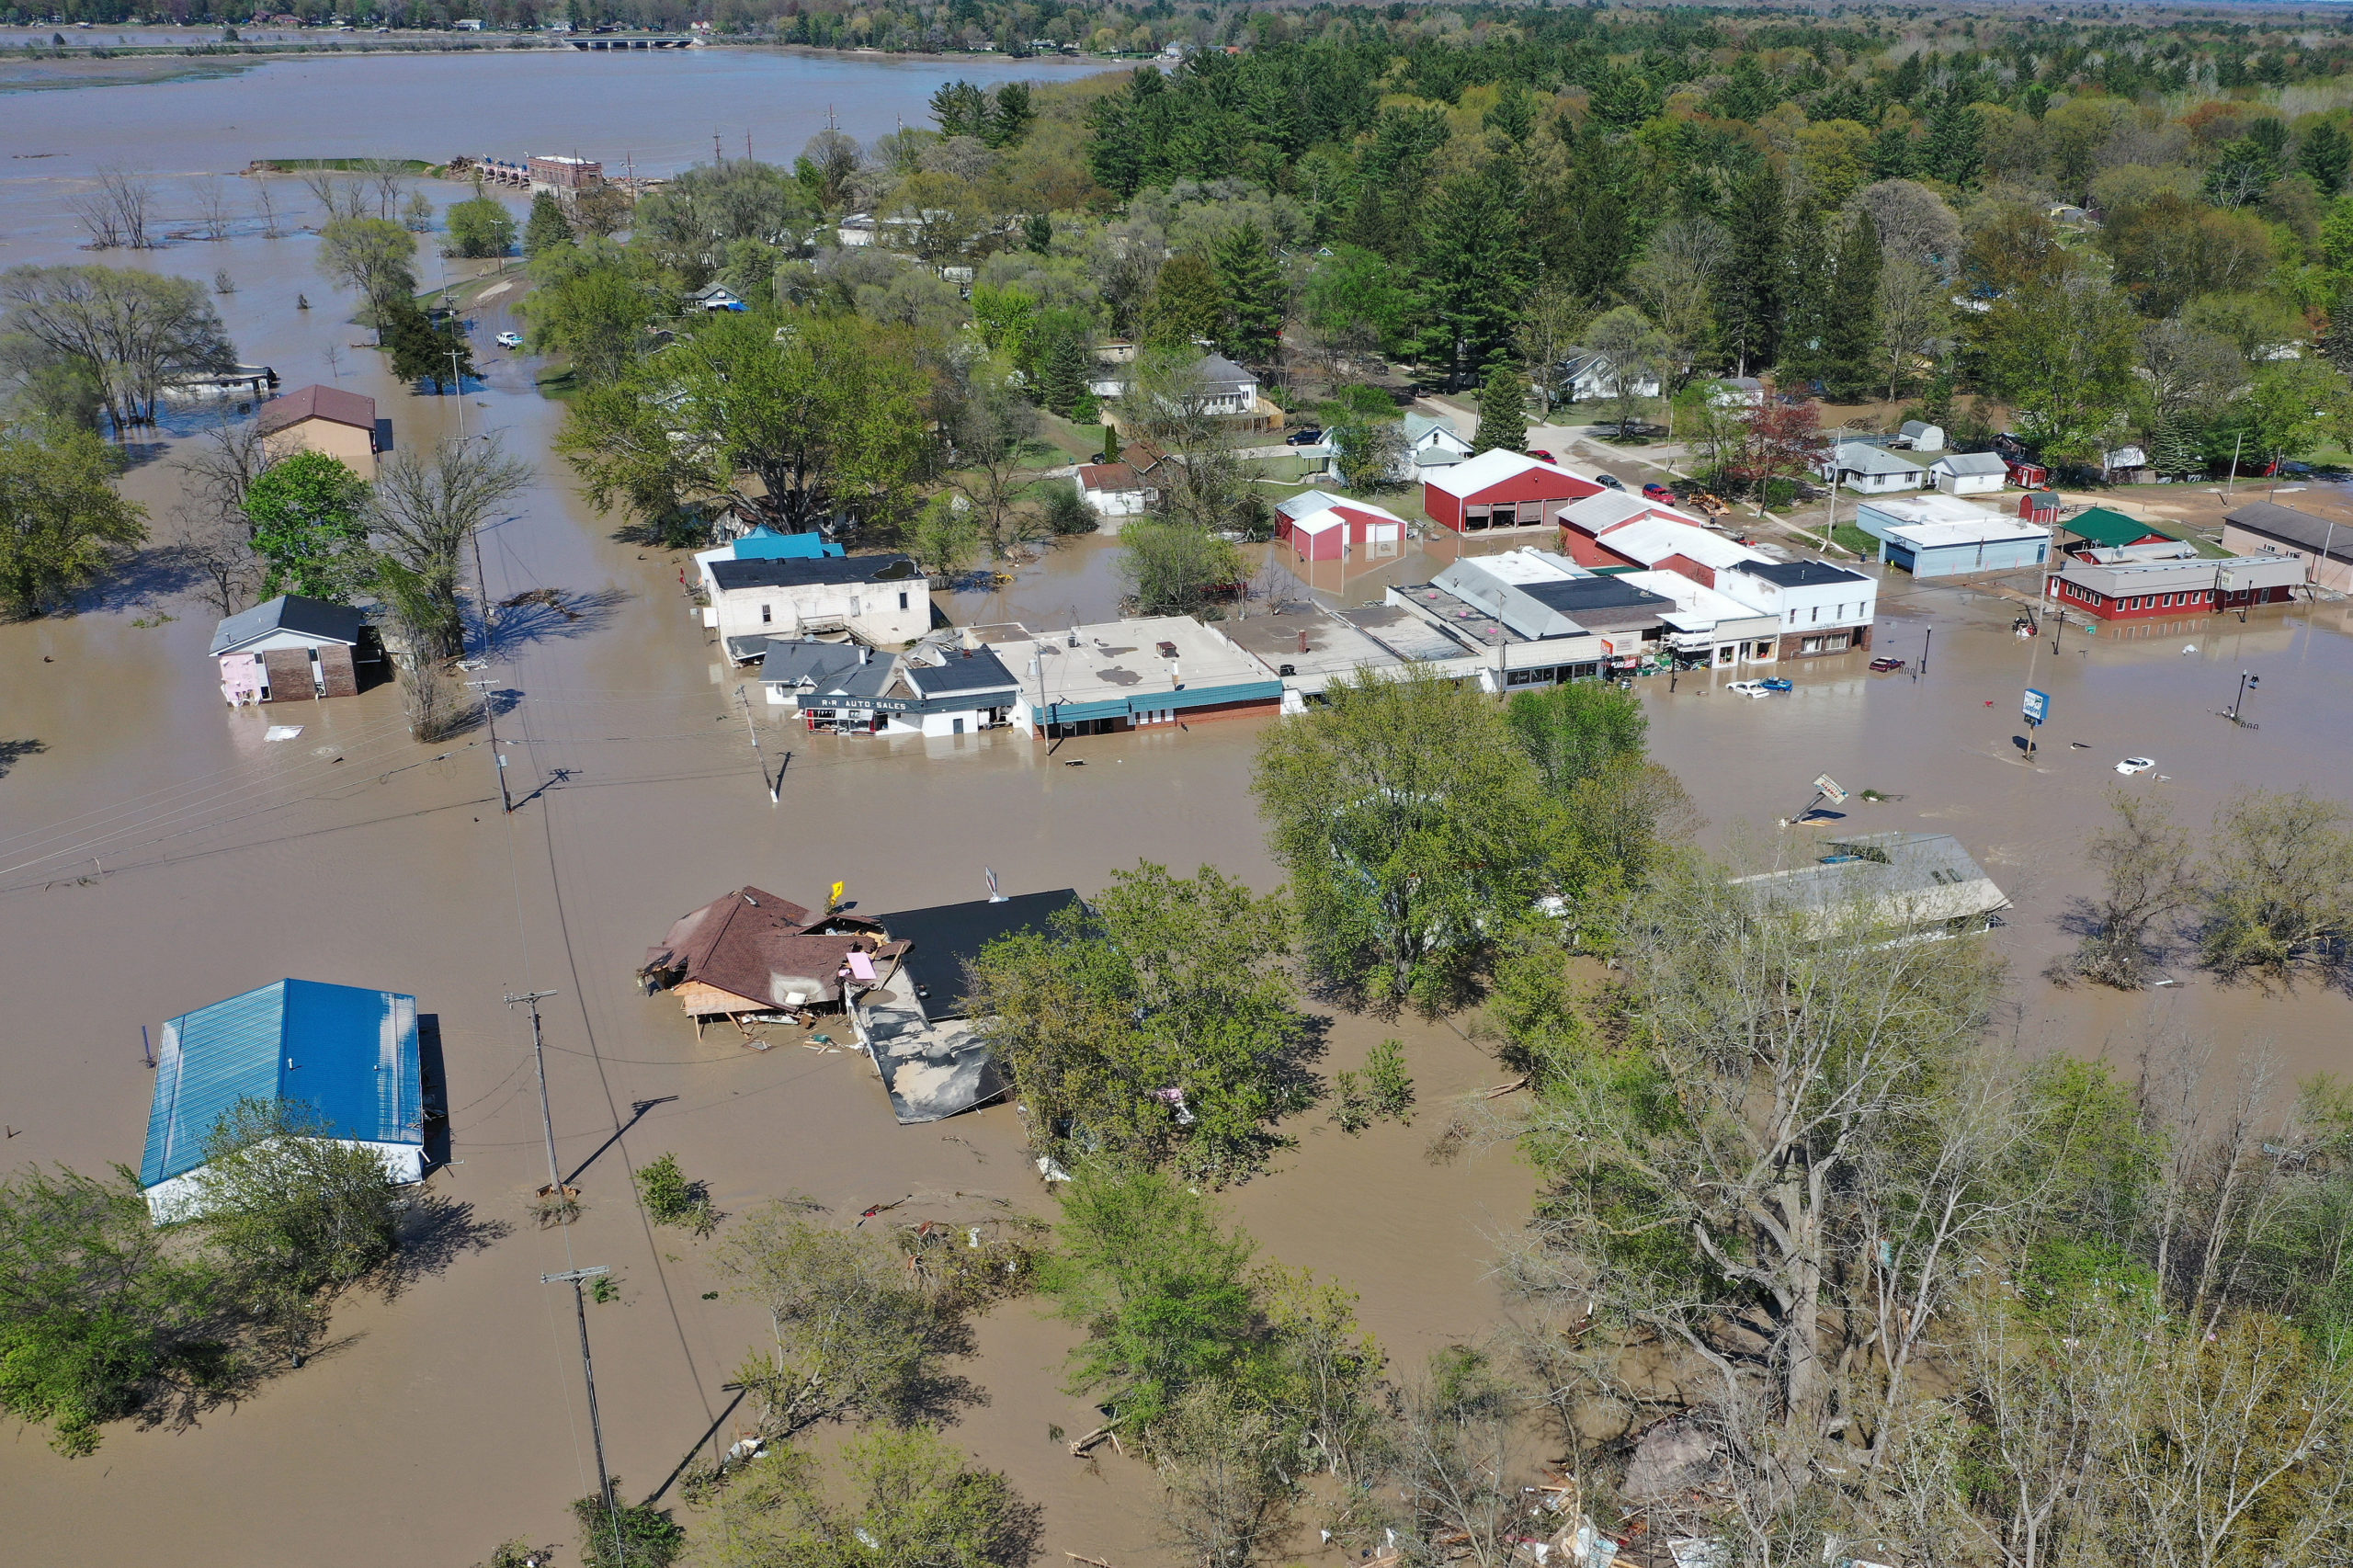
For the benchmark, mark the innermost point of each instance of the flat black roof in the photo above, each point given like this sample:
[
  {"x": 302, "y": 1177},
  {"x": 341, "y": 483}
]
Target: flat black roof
[
  {"x": 948, "y": 936},
  {"x": 1571, "y": 594},
  {"x": 1799, "y": 574},
  {"x": 792, "y": 573},
  {"x": 969, "y": 669}
]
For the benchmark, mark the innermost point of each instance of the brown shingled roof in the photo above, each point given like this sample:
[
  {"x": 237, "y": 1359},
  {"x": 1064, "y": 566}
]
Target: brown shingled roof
[
  {"x": 319, "y": 403},
  {"x": 761, "y": 947}
]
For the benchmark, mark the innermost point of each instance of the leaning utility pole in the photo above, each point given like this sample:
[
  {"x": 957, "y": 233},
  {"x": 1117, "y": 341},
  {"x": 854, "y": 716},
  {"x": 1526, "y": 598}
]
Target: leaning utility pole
[
  {"x": 588, "y": 1371},
  {"x": 775, "y": 785}
]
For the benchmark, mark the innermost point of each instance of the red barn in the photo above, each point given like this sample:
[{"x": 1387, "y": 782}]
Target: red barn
[
  {"x": 1502, "y": 490},
  {"x": 1339, "y": 529}
]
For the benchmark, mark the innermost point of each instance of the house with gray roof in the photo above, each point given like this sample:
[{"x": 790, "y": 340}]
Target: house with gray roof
[
  {"x": 293, "y": 649},
  {"x": 2323, "y": 544},
  {"x": 1884, "y": 886},
  {"x": 1872, "y": 470},
  {"x": 1431, "y": 441},
  {"x": 1970, "y": 473}
]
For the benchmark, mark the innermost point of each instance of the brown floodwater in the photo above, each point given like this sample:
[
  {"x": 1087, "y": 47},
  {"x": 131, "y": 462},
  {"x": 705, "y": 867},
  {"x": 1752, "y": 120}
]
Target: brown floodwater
[{"x": 159, "y": 854}]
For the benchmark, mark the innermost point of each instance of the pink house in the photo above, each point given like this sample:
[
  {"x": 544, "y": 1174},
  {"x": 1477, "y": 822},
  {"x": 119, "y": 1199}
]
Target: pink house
[
  {"x": 1502, "y": 490},
  {"x": 1319, "y": 525}
]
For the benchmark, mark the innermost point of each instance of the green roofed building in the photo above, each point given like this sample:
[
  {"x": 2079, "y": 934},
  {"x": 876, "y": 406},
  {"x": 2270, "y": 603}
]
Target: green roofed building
[
  {"x": 2103, "y": 529},
  {"x": 350, "y": 1055}
]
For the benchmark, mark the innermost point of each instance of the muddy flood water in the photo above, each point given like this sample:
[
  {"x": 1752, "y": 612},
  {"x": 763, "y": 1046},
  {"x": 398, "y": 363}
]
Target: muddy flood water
[{"x": 157, "y": 853}]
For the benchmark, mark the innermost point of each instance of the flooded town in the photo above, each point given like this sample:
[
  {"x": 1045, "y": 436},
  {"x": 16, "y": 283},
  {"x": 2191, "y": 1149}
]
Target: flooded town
[{"x": 1273, "y": 787}]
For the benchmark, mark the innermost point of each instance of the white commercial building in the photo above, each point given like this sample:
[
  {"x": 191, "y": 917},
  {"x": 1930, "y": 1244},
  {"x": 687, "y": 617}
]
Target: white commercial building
[{"x": 879, "y": 599}]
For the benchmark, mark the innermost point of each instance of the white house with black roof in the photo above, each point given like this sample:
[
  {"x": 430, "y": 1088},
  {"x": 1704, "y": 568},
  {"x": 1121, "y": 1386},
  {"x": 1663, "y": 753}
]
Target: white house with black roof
[
  {"x": 881, "y": 600},
  {"x": 1821, "y": 608}
]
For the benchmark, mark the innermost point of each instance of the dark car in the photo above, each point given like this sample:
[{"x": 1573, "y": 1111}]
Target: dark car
[
  {"x": 1884, "y": 666},
  {"x": 1611, "y": 480},
  {"x": 1306, "y": 435}
]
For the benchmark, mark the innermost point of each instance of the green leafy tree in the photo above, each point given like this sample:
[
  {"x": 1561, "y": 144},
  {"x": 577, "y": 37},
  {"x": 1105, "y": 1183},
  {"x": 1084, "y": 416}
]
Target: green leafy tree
[
  {"x": 591, "y": 305},
  {"x": 120, "y": 332},
  {"x": 375, "y": 257},
  {"x": 1186, "y": 304},
  {"x": 1415, "y": 830},
  {"x": 546, "y": 227},
  {"x": 1368, "y": 449},
  {"x": 618, "y": 442},
  {"x": 1159, "y": 1028},
  {"x": 1175, "y": 566},
  {"x": 614, "y": 1534},
  {"x": 1503, "y": 410},
  {"x": 905, "y": 1499},
  {"x": 2294, "y": 406},
  {"x": 1361, "y": 302},
  {"x": 480, "y": 225},
  {"x": 672, "y": 1199},
  {"x": 1256, "y": 297},
  {"x": 945, "y": 537},
  {"x": 425, "y": 350},
  {"x": 63, "y": 522},
  {"x": 1635, "y": 355},
  {"x": 2059, "y": 350},
  {"x": 309, "y": 513},
  {"x": 1572, "y": 732}
]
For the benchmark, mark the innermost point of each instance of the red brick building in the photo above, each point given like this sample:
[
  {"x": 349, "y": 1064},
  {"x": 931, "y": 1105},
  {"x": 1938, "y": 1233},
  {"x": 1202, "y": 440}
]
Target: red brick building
[{"x": 2140, "y": 590}]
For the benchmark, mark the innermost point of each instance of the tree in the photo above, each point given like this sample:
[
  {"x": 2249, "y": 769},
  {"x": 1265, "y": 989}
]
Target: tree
[
  {"x": 130, "y": 330},
  {"x": 994, "y": 432},
  {"x": 2294, "y": 406},
  {"x": 1415, "y": 833},
  {"x": 618, "y": 443},
  {"x": 959, "y": 108},
  {"x": 546, "y": 227},
  {"x": 425, "y": 350},
  {"x": 1676, "y": 282},
  {"x": 599, "y": 212},
  {"x": 1175, "y": 567},
  {"x": 1850, "y": 333},
  {"x": 1912, "y": 312},
  {"x": 2190, "y": 373},
  {"x": 854, "y": 1335},
  {"x": 591, "y": 305},
  {"x": 1064, "y": 364},
  {"x": 1631, "y": 358},
  {"x": 2279, "y": 886},
  {"x": 1571, "y": 732},
  {"x": 1186, "y": 304},
  {"x": 1458, "y": 1460},
  {"x": 614, "y": 1534},
  {"x": 96, "y": 1310},
  {"x": 913, "y": 1501},
  {"x": 372, "y": 256},
  {"x": 944, "y": 536},
  {"x": 423, "y": 509},
  {"x": 1226, "y": 1465},
  {"x": 480, "y": 225},
  {"x": 2326, "y": 154},
  {"x": 1368, "y": 449},
  {"x": 310, "y": 517},
  {"x": 1503, "y": 410},
  {"x": 2059, "y": 350},
  {"x": 1256, "y": 297},
  {"x": 296, "y": 1212},
  {"x": 1472, "y": 269},
  {"x": 1158, "y": 1030},
  {"x": 1010, "y": 118},
  {"x": 2145, "y": 864},
  {"x": 63, "y": 522},
  {"x": 1748, "y": 302},
  {"x": 1362, "y": 302}
]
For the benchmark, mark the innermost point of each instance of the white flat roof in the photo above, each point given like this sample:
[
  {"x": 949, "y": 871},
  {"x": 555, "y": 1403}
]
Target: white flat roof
[
  {"x": 1932, "y": 506},
  {"x": 1945, "y": 536},
  {"x": 1117, "y": 659}
]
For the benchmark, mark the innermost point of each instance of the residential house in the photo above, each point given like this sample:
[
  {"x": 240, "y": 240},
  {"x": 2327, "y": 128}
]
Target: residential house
[
  {"x": 1502, "y": 490},
  {"x": 1217, "y": 388},
  {"x": 1319, "y": 525},
  {"x": 343, "y": 425},
  {"x": 1128, "y": 675},
  {"x": 2130, "y": 588},
  {"x": 1820, "y": 609},
  {"x": 1872, "y": 469},
  {"x": 1965, "y": 549},
  {"x": 878, "y": 599},
  {"x": 1885, "y": 886},
  {"x": 1587, "y": 373},
  {"x": 749, "y": 955},
  {"x": 2099, "y": 528},
  {"x": 716, "y": 297},
  {"x": 1970, "y": 473},
  {"x": 1114, "y": 490},
  {"x": 2323, "y": 544},
  {"x": 858, "y": 229},
  {"x": 293, "y": 649},
  {"x": 1430, "y": 442},
  {"x": 1737, "y": 391},
  {"x": 2126, "y": 465},
  {"x": 1921, "y": 437},
  {"x": 347, "y": 1057}
]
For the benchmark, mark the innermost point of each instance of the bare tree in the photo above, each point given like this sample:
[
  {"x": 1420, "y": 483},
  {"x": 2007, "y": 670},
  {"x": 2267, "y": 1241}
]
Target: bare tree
[
  {"x": 1914, "y": 314},
  {"x": 385, "y": 174},
  {"x": 2143, "y": 861},
  {"x": 1548, "y": 328},
  {"x": 116, "y": 213},
  {"x": 2280, "y": 886},
  {"x": 1675, "y": 283},
  {"x": 266, "y": 208},
  {"x": 994, "y": 429},
  {"x": 426, "y": 506},
  {"x": 210, "y": 529},
  {"x": 1456, "y": 1462},
  {"x": 340, "y": 195},
  {"x": 1223, "y": 1461}
]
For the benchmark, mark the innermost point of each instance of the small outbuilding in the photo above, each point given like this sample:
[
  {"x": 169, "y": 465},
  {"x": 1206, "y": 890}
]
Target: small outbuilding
[
  {"x": 1970, "y": 473},
  {"x": 1114, "y": 490},
  {"x": 1322, "y": 527},
  {"x": 291, "y": 648},
  {"x": 343, "y": 425},
  {"x": 1884, "y": 885},
  {"x": 347, "y": 1055}
]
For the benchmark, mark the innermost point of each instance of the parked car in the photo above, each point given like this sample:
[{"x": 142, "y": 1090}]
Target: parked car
[
  {"x": 510, "y": 340},
  {"x": 1611, "y": 480},
  {"x": 1746, "y": 688},
  {"x": 2136, "y": 765},
  {"x": 1884, "y": 666},
  {"x": 1540, "y": 455},
  {"x": 1775, "y": 683},
  {"x": 1657, "y": 492},
  {"x": 1305, "y": 435}
]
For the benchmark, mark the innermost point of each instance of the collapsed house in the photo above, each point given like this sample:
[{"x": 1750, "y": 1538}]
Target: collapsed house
[
  {"x": 933, "y": 1056},
  {"x": 750, "y": 956}
]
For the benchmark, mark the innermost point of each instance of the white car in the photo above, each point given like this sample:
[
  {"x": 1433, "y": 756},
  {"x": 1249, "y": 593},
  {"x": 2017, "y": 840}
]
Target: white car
[
  {"x": 1746, "y": 688},
  {"x": 2136, "y": 765},
  {"x": 510, "y": 340}
]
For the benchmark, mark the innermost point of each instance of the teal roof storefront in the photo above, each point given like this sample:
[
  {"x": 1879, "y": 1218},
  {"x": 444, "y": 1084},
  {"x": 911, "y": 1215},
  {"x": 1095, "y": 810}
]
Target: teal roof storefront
[{"x": 349, "y": 1054}]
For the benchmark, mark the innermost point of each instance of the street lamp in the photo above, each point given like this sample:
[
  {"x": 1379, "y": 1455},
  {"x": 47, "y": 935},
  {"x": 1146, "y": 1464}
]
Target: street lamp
[{"x": 2246, "y": 683}]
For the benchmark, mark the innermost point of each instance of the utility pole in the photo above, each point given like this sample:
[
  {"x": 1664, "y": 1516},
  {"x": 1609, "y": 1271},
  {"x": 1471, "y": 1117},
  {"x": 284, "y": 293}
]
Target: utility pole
[
  {"x": 573, "y": 1278},
  {"x": 555, "y": 1188},
  {"x": 2239, "y": 702},
  {"x": 2232, "y": 484},
  {"x": 458, "y": 384},
  {"x": 489, "y": 652},
  {"x": 762, "y": 757}
]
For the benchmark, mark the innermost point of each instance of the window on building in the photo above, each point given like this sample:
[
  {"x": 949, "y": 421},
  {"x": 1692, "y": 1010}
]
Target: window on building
[
  {"x": 767, "y": 614},
  {"x": 903, "y": 598},
  {"x": 1817, "y": 613}
]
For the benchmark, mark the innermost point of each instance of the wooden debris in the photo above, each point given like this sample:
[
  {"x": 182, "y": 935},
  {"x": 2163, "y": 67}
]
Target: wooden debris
[{"x": 1502, "y": 1089}]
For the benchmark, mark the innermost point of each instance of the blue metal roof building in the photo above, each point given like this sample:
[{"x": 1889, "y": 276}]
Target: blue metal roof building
[{"x": 348, "y": 1054}]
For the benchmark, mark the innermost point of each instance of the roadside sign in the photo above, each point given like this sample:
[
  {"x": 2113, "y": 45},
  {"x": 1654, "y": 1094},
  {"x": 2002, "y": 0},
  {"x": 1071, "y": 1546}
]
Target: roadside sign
[
  {"x": 1830, "y": 789},
  {"x": 2038, "y": 707}
]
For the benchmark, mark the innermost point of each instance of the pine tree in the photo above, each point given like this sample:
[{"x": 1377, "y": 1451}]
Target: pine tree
[
  {"x": 546, "y": 227},
  {"x": 2326, "y": 155},
  {"x": 1062, "y": 372},
  {"x": 2175, "y": 449},
  {"x": 1806, "y": 283},
  {"x": 1474, "y": 268},
  {"x": 1851, "y": 325},
  {"x": 1255, "y": 296},
  {"x": 1503, "y": 410},
  {"x": 1749, "y": 299}
]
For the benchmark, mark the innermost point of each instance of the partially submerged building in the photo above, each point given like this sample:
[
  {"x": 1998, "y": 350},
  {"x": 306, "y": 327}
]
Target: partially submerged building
[
  {"x": 879, "y": 599},
  {"x": 347, "y": 1057},
  {"x": 342, "y": 425},
  {"x": 751, "y": 956},
  {"x": 1128, "y": 675},
  {"x": 1886, "y": 885},
  {"x": 291, "y": 648},
  {"x": 934, "y": 1058}
]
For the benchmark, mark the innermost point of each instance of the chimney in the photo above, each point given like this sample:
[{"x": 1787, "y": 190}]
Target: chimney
[
  {"x": 864, "y": 653},
  {"x": 1302, "y": 639}
]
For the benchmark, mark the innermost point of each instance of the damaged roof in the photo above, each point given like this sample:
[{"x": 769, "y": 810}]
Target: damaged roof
[{"x": 765, "y": 950}]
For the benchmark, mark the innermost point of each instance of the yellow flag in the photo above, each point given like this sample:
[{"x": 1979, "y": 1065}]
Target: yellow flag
[{"x": 837, "y": 891}]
